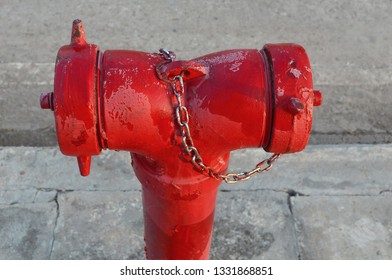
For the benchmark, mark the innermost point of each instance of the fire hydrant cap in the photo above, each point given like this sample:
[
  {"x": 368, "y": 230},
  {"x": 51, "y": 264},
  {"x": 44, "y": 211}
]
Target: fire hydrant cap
[
  {"x": 75, "y": 96},
  {"x": 293, "y": 97}
]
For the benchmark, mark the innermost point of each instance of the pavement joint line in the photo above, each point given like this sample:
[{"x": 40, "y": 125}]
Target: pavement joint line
[
  {"x": 297, "y": 231},
  {"x": 288, "y": 191},
  {"x": 55, "y": 225},
  {"x": 294, "y": 193},
  {"x": 292, "y": 220},
  {"x": 35, "y": 195},
  {"x": 70, "y": 190},
  {"x": 385, "y": 191},
  {"x": 99, "y": 190},
  {"x": 353, "y": 133},
  {"x": 348, "y": 195}
]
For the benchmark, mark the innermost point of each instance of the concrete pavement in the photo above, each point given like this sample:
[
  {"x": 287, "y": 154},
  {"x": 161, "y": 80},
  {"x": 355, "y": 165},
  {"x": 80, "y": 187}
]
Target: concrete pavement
[
  {"x": 329, "y": 202},
  {"x": 348, "y": 44}
]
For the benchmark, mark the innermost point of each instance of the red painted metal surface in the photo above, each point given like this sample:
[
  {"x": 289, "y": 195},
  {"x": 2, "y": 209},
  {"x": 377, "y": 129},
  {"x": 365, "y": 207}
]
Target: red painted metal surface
[{"x": 236, "y": 99}]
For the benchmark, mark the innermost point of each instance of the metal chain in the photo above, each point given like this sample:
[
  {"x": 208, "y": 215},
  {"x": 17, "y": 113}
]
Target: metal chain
[{"x": 182, "y": 118}]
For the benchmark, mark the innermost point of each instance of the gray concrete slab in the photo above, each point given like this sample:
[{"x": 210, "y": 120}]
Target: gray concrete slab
[
  {"x": 109, "y": 225},
  {"x": 99, "y": 225},
  {"x": 26, "y": 168},
  {"x": 348, "y": 44},
  {"x": 253, "y": 225},
  {"x": 27, "y": 230},
  {"x": 343, "y": 30},
  {"x": 329, "y": 202},
  {"x": 319, "y": 170},
  {"x": 26, "y": 196},
  {"x": 345, "y": 227},
  {"x": 354, "y": 114}
]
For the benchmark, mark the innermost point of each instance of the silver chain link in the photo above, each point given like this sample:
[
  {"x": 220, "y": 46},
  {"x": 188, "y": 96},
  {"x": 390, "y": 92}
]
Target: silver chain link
[{"x": 182, "y": 118}]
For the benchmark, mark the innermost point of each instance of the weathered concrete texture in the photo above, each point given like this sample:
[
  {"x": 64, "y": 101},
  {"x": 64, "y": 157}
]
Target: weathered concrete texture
[
  {"x": 27, "y": 230},
  {"x": 26, "y": 196},
  {"x": 335, "y": 191},
  {"x": 348, "y": 43},
  {"x": 99, "y": 225},
  {"x": 253, "y": 225},
  {"x": 337, "y": 33},
  {"x": 347, "y": 227},
  {"x": 355, "y": 110},
  {"x": 330, "y": 170},
  {"x": 24, "y": 169},
  {"x": 22, "y": 121},
  {"x": 354, "y": 114},
  {"x": 20, "y": 84}
]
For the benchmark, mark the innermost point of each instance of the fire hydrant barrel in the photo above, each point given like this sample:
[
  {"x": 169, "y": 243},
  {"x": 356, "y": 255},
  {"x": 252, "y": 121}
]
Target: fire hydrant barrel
[
  {"x": 234, "y": 86},
  {"x": 130, "y": 101}
]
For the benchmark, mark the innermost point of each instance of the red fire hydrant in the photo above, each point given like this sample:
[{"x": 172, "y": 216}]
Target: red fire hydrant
[{"x": 180, "y": 120}]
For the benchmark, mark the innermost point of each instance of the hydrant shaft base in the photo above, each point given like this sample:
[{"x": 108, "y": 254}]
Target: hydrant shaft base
[
  {"x": 181, "y": 242},
  {"x": 178, "y": 212}
]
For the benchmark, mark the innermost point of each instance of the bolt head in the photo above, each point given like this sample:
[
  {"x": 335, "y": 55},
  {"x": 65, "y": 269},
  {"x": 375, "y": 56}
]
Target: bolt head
[{"x": 295, "y": 106}]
